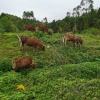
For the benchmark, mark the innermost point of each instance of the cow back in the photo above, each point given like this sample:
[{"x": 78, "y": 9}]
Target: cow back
[
  {"x": 42, "y": 28},
  {"x": 22, "y": 62},
  {"x": 69, "y": 37}
]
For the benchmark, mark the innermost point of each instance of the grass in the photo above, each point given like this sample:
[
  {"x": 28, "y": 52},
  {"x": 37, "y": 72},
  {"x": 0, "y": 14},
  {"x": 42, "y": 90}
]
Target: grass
[
  {"x": 62, "y": 73},
  {"x": 64, "y": 82}
]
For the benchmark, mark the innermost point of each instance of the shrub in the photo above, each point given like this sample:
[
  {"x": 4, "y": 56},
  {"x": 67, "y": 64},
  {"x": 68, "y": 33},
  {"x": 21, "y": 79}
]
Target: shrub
[
  {"x": 50, "y": 31},
  {"x": 39, "y": 34},
  {"x": 94, "y": 31},
  {"x": 2, "y": 30},
  {"x": 5, "y": 65}
]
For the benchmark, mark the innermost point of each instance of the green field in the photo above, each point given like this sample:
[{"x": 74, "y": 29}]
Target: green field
[{"x": 62, "y": 73}]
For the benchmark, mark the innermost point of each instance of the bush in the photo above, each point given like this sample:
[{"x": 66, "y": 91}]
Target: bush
[
  {"x": 2, "y": 30},
  {"x": 5, "y": 65},
  {"x": 50, "y": 31},
  {"x": 8, "y": 25},
  {"x": 94, "y": 31},
  {"x": 39, "y": 34}
]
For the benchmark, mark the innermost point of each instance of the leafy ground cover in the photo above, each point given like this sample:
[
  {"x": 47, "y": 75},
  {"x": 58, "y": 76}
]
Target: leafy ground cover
[{"x": 62, "y": 73}]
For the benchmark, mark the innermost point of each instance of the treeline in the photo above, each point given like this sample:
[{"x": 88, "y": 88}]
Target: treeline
[
  {"x": 77, "y": 23},
  {"x": 84, "y": 16}
]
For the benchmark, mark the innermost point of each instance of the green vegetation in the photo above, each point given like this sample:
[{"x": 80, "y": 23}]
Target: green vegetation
[{"x": 62, "y": 73}]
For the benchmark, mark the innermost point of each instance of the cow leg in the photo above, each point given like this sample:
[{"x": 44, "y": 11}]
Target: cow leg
[
  {"x": 74, "y": 43},
  {"x": 69, "y": 43},
  {"x": 14, "y": 66},
  {"x": 15, "y": 69},
  {"x": 35, "y": 47},
  {"x": 63, "y": 41},
  {"x": 79, "y": 44}
]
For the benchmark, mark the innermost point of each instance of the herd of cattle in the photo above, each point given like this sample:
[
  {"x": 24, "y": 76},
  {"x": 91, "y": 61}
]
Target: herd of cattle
[
  {"x": 31, "y": 28},
  {"x": 26, "y": 62}
]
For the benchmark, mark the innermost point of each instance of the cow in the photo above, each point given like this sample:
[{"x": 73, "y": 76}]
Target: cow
[
  {"x": 34, "y": 42},
  {"x": 68, "y": 37},
  {"x": 24, "y": 62},
  {"x": 29, "y": 28},
  {"x": 42, "y": 28},
  {"x": 78, "y": 41}
]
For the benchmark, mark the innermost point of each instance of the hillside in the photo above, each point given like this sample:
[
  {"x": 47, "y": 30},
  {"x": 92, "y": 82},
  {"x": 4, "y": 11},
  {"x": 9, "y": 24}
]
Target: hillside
[{"x": 62, "y": 73}]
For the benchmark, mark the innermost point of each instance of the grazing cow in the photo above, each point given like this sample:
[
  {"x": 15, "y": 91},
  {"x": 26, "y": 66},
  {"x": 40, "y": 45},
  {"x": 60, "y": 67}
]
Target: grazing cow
[
  {"x": 42, "y": 28},
  {"x": 78, "y": 41},
  {"x": 29, "y": 28},
  {"x": 68, "y": 37},
  {"x": 30, "y": 42},
  {"x": 25, "y": 62}
]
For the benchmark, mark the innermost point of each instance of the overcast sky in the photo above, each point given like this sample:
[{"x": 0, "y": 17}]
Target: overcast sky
[{"x": 52, "y": 9}]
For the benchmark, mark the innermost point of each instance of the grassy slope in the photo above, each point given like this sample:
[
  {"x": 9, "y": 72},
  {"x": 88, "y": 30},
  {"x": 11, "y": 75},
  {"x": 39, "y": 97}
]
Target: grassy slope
[{"x": 62, "y": 73}]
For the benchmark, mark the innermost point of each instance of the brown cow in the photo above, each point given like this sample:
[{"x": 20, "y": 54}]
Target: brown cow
[
  {"x": 78, "y": 41},
  {"x": 25, "y": 62},
  {"x": 29, "y": 28},
  {"x": 30, "y": 42},
  {"x": 68, "y": 37},
  {"x": 42, "y": 28}
]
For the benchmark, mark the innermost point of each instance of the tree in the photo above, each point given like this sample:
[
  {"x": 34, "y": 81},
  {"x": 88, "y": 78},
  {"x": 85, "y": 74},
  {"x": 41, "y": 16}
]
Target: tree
[
  {"x": 92, "y": 18},
  {"x": 45, "y": 21},
  {"x": 98, "y": 13},
  {"x": 87, "y": 5},
  {"x": 8, "y": 25},
  {"x": 2, "y": 30},
  {"x": 77, "y": 11},
  {"x": 80, "y": 24},
  {"x": 53, "y": 26},
  {"x": 74, "y": 12},
  {"x": 68, "y": 14},
  {"x": 28, "y": 15}
]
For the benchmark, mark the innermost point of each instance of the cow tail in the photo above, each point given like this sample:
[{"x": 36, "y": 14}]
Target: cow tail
[
  {"x": 19, "y": 38},
  {"x": 19, "y": 41}
]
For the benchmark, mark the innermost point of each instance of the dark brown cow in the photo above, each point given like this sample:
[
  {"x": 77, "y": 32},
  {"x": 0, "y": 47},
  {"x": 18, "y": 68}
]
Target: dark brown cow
[
  {"x": 29, "y": 28},
  {"x": 78, "y": 41},
  {"x": 42, "y": 28},
  {"x": 68, "y": 37},
  {"x": 30, "y": 42},
  {"x": 25, "y": 62}
]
